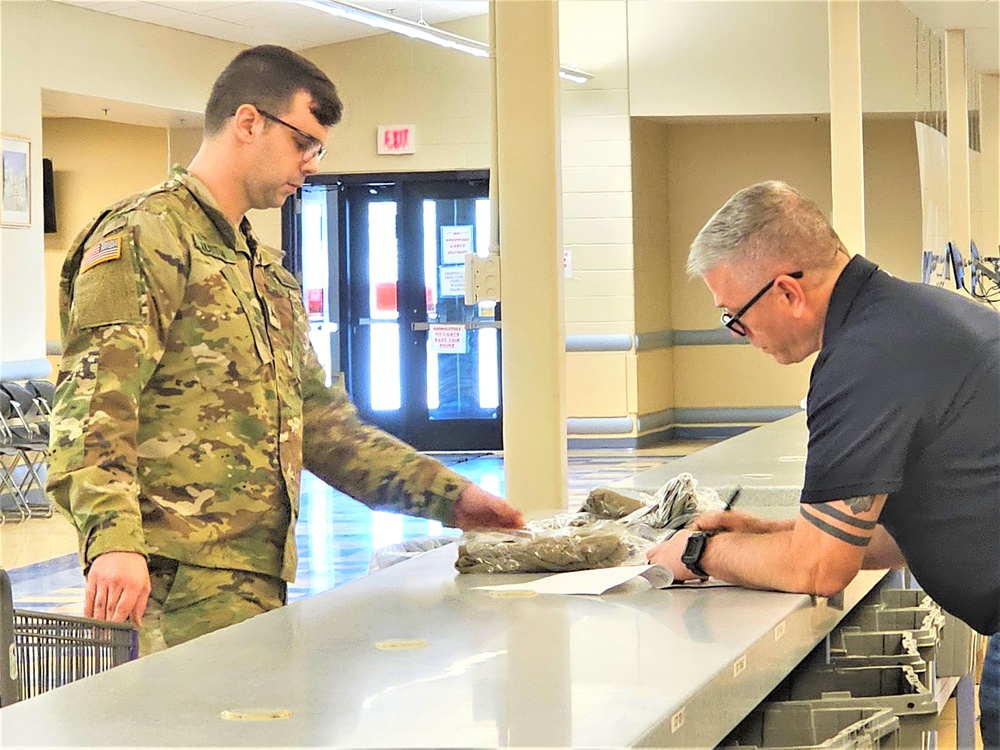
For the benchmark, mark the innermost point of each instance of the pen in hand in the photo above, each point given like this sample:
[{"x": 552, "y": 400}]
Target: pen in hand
[{"x": 732, "y": 498}]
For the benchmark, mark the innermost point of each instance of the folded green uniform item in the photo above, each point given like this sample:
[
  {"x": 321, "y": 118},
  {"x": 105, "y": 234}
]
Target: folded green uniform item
[
  {"x": 608, "y": 503},
  {"x": 550, "y": 549}
]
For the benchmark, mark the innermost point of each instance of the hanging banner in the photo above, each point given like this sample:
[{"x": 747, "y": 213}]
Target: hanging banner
[
  {"x": 446, "y": 339},
  {"x": 456, "y": 243}
]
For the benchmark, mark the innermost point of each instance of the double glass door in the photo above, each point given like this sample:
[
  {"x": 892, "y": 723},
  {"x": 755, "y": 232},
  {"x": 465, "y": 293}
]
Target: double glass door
[{"x": 417, "y": 360}]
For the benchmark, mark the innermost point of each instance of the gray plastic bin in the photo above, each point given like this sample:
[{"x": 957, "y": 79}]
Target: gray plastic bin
[
  {"x": 925, "y": 623},
  {"x": 957, "y": 642},
  {"x": 805, "y": 725},
  {"x": 895, "y": 688},
  {"x": 903, "y": 598},
  {"x": 851, "y": 647},
  {"x": 956, "y": 654}
]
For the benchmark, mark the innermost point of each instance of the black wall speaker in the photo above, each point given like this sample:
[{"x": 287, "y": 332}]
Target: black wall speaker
[{"x": 48, "y": 197}]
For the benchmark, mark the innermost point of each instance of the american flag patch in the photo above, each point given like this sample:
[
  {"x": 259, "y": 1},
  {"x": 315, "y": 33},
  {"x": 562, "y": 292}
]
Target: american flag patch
[{"x": 106, "y": 249}]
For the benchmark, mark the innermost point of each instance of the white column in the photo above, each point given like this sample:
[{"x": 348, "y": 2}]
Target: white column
[
  {"x": 534, "y": 328},
  {"x": 847, "y": 160},
  {"x": 957, "y": 98},
  {"x": 989, "y": 138}
]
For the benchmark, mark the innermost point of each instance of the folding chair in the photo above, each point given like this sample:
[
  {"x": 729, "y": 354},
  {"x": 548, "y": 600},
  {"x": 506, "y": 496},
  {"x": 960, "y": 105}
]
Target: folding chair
[
  {"x": 31, "y": 438},
  {"x": 44, "y": 392},
  {"x": 8, "y": 449}
]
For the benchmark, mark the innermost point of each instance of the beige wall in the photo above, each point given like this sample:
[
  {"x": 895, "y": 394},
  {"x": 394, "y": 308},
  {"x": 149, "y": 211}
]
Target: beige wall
[
  {"x": 708, "y": 162},
  {"x": 62, "y": 48},
  {"x": 711, "y": 160},
  {"x": 652, "y": 249},
  {"x": 892, "y": 196},
  {"x": 720, "y": 58},
  {"x": 731, "y": 57},
  {"x": 598, "y": 223},
  {"x": 95, "y": 164},
  {"x": 387, "y": 80}
]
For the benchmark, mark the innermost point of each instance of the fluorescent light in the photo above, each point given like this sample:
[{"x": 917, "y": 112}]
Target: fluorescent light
[
  {"x": 574, "y": 74},
  {"x": 421, "y": 31}
]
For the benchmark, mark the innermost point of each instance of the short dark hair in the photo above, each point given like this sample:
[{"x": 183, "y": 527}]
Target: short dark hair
[{"x": 268, "y": 77}]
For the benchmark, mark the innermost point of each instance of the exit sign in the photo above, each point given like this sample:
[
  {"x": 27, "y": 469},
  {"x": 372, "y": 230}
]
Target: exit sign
[{"x": 397, "y": 139}]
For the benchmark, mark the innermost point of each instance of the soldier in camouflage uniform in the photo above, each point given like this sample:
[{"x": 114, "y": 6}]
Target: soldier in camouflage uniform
[{"x": 189, "y": 396}]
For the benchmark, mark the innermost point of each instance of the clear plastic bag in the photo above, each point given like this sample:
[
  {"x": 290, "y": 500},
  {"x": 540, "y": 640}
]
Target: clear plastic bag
[
  {"x": 676, "y": 504},
  {"x": 612, "y": 528},
  {"x": 564, "y": 543},
  {"x": 385, "y": 557}
]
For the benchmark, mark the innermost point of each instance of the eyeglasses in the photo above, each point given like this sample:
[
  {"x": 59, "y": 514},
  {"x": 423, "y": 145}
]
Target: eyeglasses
[
  {"x": 732, "y": 322},
  {"x": 314, "y": 147}
]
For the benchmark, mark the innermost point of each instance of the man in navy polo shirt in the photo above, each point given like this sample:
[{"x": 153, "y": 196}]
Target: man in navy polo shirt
[{"x": 903, "y": 465}]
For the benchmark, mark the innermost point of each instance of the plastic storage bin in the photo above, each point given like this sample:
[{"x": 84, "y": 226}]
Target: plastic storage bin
[
  {"x": 852, "y": 647},
  {"x": 897, "y": 688},
  {"x": 925, "y": 623},
  {"x": 807, "y": 725}
]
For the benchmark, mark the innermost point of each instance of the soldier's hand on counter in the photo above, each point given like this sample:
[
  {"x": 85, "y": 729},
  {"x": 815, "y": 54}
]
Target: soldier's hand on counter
[
  {"x": 478, "y": 509},
  {"x": 117, "y": 587}
]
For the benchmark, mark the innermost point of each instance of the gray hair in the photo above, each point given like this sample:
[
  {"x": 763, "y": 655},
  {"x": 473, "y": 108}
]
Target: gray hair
[{"x": 763, "y": 224}]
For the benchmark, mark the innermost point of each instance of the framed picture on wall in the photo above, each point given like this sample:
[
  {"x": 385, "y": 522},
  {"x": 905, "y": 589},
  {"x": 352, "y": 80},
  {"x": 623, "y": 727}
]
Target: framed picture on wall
[{"x": 15, "y": 199}]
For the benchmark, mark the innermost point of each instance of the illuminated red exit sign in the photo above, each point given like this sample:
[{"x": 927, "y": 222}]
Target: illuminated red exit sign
[{"x": 397, "y": 139}]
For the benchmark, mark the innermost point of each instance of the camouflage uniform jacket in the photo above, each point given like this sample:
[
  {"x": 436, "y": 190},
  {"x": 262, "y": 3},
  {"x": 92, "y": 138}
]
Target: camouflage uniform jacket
[{"x": 190, "y": 398}]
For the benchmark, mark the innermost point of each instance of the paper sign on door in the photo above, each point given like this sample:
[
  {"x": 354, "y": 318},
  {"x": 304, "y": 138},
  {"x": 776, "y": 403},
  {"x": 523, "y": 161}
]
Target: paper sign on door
[
  {"x": 447, "y": 339},
  {"x": 456, "y": 242},
  {"x": 452, "y": 281}
]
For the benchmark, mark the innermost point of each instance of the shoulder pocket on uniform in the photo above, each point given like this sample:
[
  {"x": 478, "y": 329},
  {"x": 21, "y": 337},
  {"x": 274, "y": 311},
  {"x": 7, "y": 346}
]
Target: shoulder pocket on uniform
[{"x": 105, "y": 291}]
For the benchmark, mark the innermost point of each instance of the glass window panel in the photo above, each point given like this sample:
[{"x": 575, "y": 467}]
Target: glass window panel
[
  {"x": 483, "y": 227},
  {"x": 431, "y": 258},
  {"x": 433, "y": 386},
  {"x": 489, "y": 375},
  {"x": 383, "y": 261},
  {"x": 384, "y": 366}
]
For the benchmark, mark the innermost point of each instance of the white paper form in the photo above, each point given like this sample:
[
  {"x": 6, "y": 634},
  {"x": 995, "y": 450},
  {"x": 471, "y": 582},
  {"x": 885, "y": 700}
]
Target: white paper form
[{"x": 594, "y": 582}]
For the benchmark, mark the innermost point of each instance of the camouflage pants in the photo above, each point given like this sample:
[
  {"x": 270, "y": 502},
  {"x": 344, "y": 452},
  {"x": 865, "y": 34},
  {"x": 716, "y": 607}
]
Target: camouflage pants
[{"x": 187, "y": 601}]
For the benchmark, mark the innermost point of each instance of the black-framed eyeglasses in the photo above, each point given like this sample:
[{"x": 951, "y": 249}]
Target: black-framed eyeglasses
[
  {"x": 732, "y": 322},
  {"x": 314, "y": 147}
]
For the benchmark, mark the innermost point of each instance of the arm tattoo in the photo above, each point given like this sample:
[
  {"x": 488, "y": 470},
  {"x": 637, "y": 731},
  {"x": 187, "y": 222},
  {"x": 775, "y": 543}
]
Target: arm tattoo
[
  {"x": 826, "y": 528},
  {"x": 860, "y": 504},
  {"x": 829, "y": 510}
]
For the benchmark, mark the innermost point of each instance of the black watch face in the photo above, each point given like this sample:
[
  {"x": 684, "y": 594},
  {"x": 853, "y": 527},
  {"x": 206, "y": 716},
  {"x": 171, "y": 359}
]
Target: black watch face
[{"x": 692, "y": 551}]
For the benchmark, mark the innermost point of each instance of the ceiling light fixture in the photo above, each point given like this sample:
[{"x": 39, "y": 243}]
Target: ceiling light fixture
[{"x": 421, "y": 31}]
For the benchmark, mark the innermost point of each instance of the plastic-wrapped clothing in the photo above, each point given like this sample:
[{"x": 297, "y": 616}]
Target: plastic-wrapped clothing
[
  {"x": 565, "y": 543},
  {"x": 386, "y": 557},
  {"x": 609, "y": 503},
  {"x": 610, "y": 529}
]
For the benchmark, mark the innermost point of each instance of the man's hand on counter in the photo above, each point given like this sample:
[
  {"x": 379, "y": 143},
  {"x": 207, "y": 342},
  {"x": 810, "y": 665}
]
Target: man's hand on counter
[
  {"x": 668, "y": 553},
  {"x": 478, "y": 509},
  {"x": 117, "y": 587},
  {"x": 729, "y": 520}
]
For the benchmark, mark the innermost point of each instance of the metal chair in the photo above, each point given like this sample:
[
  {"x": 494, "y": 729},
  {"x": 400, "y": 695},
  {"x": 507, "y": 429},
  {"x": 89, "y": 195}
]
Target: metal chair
[
  {"x": 30, "y": 433},
  {"x": 9, "y": 449},
  {"x": 44, "y": 393}
]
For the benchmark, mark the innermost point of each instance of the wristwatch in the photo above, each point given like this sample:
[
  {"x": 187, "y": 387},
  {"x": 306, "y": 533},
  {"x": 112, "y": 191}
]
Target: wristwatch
[{"x": 693, "y": 551}]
